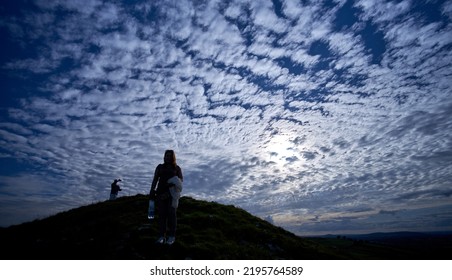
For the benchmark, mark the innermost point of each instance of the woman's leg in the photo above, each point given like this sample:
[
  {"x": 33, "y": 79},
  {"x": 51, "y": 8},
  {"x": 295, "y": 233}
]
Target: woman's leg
[
  {"x": 162, "y": 207},
  {"x": 172, "y": 220}
]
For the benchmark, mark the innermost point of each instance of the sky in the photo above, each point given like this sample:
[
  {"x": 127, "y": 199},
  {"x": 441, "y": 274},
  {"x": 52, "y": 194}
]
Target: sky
[{"x": 322, "y": 117}]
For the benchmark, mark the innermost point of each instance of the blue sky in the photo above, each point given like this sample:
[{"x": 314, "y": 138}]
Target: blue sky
[{"x": 319, "y": 116}]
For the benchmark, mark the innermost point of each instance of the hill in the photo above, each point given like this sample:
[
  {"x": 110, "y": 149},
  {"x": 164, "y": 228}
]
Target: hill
[{"x": 206, "y": 230}]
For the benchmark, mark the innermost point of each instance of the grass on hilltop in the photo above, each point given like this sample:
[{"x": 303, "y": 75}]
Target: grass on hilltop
[{"x": 206, "y": 230}]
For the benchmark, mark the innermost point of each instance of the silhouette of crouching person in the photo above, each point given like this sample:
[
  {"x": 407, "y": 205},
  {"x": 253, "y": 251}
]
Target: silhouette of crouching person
[
  {"x": 160, "y": 189},
  {"x": 115, "y": 189}
]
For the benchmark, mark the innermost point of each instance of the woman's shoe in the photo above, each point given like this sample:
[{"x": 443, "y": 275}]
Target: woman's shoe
[{"x": 171, "y": 240}]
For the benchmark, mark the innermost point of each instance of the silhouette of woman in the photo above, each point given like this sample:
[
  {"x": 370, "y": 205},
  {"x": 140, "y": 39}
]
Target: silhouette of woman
[{"x": 160, "y": 191}]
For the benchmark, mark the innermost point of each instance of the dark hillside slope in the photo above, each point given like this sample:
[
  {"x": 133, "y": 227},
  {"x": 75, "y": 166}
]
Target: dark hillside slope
[
  {"x": 120, "y": 230},
  {"x": 206, "y": 230}
]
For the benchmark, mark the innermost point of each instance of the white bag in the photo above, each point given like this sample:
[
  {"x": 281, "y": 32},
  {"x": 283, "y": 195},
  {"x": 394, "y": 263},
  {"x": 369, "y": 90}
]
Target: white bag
[{"x": 175, "y": 190}]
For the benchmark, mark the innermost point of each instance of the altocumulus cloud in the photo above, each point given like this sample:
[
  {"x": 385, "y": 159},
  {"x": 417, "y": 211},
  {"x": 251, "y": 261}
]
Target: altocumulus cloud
[{"x": 321, "y": 117}]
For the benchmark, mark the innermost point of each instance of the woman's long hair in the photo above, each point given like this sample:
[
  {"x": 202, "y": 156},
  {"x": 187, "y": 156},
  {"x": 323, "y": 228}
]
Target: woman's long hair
[{"x": 173, "y": 154}]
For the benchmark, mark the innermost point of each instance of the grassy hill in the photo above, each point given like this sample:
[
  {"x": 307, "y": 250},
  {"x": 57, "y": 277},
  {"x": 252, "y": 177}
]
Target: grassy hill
[{"x": 206, "y": 230}]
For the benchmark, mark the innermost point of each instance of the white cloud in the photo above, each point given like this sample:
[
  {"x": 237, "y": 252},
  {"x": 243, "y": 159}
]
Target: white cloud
[{"x": 265, "y": 17}]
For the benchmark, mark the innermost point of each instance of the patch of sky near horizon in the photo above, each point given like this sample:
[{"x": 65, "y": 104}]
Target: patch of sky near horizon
[{"x": 316, "y": 115}]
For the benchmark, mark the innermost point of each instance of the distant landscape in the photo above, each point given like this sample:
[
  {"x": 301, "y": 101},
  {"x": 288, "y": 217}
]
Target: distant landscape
[{"x": 206, "y": 230}]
